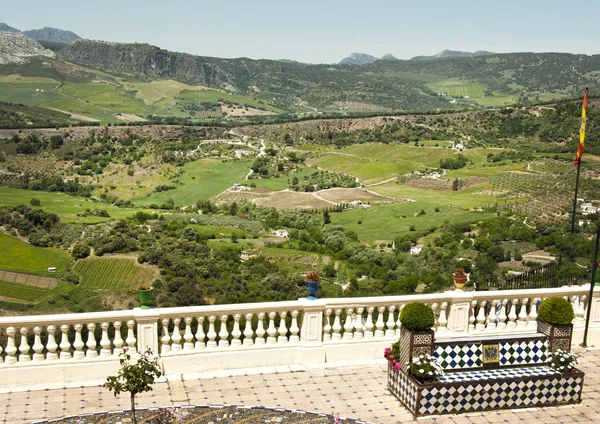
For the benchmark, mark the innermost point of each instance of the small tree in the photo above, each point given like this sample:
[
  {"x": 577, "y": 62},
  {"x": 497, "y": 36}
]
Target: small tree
[{"x": 136, "y": 377}]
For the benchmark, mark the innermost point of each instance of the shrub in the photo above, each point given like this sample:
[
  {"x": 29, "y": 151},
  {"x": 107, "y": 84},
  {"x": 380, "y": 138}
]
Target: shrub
[
  {"x": 81, "y": 250},
  {"x": 426, "y": 368},
  {"x": 417, "y": 317},
  {"x": 562, "y": 360},
  {"x": 556, "y": 310},
  {"x": 35, "y": 202}
]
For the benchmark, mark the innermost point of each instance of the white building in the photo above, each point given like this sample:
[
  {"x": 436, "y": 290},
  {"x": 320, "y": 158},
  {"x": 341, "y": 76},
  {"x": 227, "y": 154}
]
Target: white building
[{"x": 281, "y": 233}]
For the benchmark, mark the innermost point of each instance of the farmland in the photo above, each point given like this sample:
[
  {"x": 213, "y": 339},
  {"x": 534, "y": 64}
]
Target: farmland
[
  {"x": 113, "y": 273},
  {"x": 16, "y": 255}
]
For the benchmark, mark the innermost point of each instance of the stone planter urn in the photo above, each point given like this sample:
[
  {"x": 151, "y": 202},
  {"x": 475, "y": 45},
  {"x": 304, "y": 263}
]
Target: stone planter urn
[
  {"x": 144, "y": 296},
  {"x": 312, "y": 282}
]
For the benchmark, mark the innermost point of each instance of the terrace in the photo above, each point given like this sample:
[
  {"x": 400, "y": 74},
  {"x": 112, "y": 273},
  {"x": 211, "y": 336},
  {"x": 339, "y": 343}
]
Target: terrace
[{"x": 323, "y": 355}]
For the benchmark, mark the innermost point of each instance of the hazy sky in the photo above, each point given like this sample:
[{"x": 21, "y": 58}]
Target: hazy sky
[{"x": 322, "y": 31}]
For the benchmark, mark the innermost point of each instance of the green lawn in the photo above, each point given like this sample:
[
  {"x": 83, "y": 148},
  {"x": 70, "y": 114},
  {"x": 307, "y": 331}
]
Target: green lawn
[
  {"x": 200, "y": 179},
  {"x": 63, "y": 205},
  {"x": 18, "y": 256},
  {"x": 386, "y": 222}
]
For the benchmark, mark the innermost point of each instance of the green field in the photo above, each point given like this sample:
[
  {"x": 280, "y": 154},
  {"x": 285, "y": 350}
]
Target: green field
[
  {"x": 111, "y": 273},
  {"x": 386, "y": 222},
  {"x": 18, "y": 256},
  {"x": 21, "y": 292},
  {"x": 158, "y": 91},
  {"x": 28, "y": 94},
  {"x": 201, "y": 179},
  {"x": 63, "y": 205},
  {"x": 455, "y": 87},
  {"x": 293, "y": 260},
  {"x": 220, "y": 232},
  {"x": 213, "y": 96},
  {"x": 284, "y": 181},
  {"x": 374, "y": 162}
]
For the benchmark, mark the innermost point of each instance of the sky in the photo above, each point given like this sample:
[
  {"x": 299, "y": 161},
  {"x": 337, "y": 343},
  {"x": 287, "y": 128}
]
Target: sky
[{"x": 322, "y": 31}]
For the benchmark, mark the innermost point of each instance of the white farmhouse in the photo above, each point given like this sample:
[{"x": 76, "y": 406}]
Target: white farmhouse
[{"x": 281, "y": 233}]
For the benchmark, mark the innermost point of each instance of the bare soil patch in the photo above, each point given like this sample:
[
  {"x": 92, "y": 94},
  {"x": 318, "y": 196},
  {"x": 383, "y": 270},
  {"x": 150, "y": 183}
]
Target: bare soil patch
[
  {"x": 235, "y": 110},
  {"x": 77, "y": 116},
  {"x": 292, "y": 200},
  {"x": 345, "y": 195},
  {"x": 127, "y": 117}
]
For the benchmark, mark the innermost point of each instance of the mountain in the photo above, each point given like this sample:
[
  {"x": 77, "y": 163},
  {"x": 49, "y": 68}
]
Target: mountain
[
  {"x": 447, "y": 54},
  {"x": 388, "y": 57},
  {"x": 52, "y": 35},
  {"x": 15, "y": 47},
  {"x": 6, "y": 28},
  {"x": 358, "y": 59}
]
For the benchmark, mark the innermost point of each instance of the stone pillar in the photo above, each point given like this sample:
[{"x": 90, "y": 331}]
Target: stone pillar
[
  {"x": 311, "y": 331},
  {"x": 458, "y": 319},
  {"x": 593, "y": 334},
  {"x": 147, "y": 330}
]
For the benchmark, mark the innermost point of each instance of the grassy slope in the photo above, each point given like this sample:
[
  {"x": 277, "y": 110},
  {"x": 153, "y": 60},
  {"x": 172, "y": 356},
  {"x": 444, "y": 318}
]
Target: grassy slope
[
  {"x": 112, "y": 273},
  {"x": 283, "y": 182},
  {"x": 16, "y": 255},
  {"x": 211, "y": 177}
]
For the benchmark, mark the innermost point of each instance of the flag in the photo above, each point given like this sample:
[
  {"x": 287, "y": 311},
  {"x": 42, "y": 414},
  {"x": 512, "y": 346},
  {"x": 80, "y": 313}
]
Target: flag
[{"x": 582, "y": 129}]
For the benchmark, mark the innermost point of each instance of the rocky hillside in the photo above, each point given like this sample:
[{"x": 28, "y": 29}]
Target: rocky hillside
[
  {"x": 15, "y": 47},
  {"x": 447, "y": 54},
  {"x": 52, "y": 35},
  {"x": 358, "y": 59}
]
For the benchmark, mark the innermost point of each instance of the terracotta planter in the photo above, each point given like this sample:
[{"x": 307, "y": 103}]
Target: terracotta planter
[
  {"x": 559, "y": 335},
  {"x": 144, "y": 296},
  {"x": 459, "y": 281}
]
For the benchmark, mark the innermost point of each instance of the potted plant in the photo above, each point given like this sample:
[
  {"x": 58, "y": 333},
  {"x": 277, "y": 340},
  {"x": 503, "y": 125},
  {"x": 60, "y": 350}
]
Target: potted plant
[
  {"x": 134, "y": 377},
  {"x": 563, "y": 361},
  {"x": 313, "y": 282},
  {"x": 144, "y": 292},
  {"x": 416, "y": 333},
  {"x": 460, "y": 278},
  {"x": 425, "y": 368},
  {"x": 555, "y": 320}
]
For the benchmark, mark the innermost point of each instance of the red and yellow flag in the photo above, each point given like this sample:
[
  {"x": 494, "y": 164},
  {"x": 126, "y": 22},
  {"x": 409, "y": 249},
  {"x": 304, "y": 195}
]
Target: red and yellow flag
[{"x": 582, "y": 129}]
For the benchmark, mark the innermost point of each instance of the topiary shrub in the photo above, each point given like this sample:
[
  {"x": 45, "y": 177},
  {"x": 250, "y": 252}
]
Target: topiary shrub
[
  {"x": 417, "y": 317},
  {"x": 556, "y": 310}
]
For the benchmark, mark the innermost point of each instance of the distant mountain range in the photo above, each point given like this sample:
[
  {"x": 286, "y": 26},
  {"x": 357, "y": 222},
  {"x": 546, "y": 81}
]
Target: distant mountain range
[
  {"x": 363, "y": 59},
  {"x": 15, "y": 48},
  {"x": 447, "y": 54},
  {"x": 46, "y": 34}
]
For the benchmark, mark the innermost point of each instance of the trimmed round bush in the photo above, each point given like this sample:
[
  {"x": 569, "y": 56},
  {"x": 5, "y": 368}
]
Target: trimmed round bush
[
  {"x": 556, "y": 310},
  {"x": 417, "y": 317}
]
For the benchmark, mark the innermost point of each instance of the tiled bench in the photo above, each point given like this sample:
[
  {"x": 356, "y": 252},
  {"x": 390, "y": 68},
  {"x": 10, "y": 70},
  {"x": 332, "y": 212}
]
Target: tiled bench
[{"x": 489, "y": 372}]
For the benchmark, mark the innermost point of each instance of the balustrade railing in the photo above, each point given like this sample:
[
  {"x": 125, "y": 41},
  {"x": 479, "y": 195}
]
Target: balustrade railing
[{"x": 276, "y": 333}]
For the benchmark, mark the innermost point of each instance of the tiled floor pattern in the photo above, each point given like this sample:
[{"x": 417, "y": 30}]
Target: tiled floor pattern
[{"x": 354, "y": 392}]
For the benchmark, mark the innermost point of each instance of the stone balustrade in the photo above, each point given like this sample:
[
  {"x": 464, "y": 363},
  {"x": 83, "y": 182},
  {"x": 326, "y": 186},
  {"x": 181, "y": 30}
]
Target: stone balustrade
[{"x": 42, "y": 350}]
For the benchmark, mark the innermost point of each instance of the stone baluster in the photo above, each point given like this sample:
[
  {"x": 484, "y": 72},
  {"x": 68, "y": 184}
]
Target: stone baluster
[
  {"x": 24, "y": 346},
  {"x": 472, "y": 316},
  {"x": 118, "y": 340},
  {"x": 1, "y": 358},
  {"x": 200, "y": 334},
  {"x": 248, "y": 332},
  {"x": 37, "y": 347},
  {"x": 223, "y": 333},
  {"x": 91, "y": 351},
  {"x": 130, "y": 340},
  {"x": 188, "y": 336},
  {"x": 176, "y": 336},
  {"x": 294, "y": 329},
  {"x": 11, "y": 348},
  {"x": 51, "y": 345},
  {"x": 348, "y": 326},
  {"x": 579, "y": 310},
  {"x": 369, "y": 324},
  {"x": 391, "y": 323},
  {"x": 104, "y": 341},
  {"x": 271, "y": 331},
  {"x": 282, "y": 330},
  {"x": 336, "y": 327},
  {"x": 442, "y": 320},
  {"x": 502, "y": 317},
  {"x": 523, "y": 315},
  {"x": 379, "y": 324},
  {"x": 512, "y": 315},
  {"x": 236, "y": 333},
  {"x": 398, "y": 322},
  {"x": 78, "y": 343},
  {"x": 434, "y": 307},
  {"x": 212, "y": 334},
  {"x": 491, "y": 319},
  {"x": 358, "y": 324},
  {"x": 327, "y": 326},
  {"x": 532, "y": 322},
  {"x": 480, "y": 326},
  {"x": 65, "y": 346},
  {"x": 165, "y": 340},
  {"x": 260, "y": 329}
]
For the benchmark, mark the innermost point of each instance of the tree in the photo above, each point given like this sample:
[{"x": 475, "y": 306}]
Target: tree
[
  {"x": 326, "y": 217},
  {"x": 136, "y": 377},
  {"x": 35, "y": 202},
  {"x": 80, "y": 250}
]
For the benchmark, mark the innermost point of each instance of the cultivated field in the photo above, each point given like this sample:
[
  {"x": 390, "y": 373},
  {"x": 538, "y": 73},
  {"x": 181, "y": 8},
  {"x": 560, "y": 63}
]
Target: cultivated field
[
  {"x": 113, "y": 272},
  {"x": 283, "y": 200}
]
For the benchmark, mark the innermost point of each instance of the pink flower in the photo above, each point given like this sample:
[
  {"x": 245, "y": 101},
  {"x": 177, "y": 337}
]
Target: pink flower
[
  {"x": 387, "y": 350},
  {"x": 397, "y": 366}
]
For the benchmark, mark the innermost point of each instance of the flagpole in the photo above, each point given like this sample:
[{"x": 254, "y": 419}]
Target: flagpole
[{"x": 575, "y": 199}]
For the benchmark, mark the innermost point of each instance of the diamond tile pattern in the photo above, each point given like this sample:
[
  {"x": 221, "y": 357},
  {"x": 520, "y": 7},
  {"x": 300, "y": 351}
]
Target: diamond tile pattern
[
  {"x": 403, "y": 388},
  {"x": 497, "y": 373},
  {"x": 459, "y": 356},
  {"x": 478, "y": 396},
  {"x": 524, "y": 352}
]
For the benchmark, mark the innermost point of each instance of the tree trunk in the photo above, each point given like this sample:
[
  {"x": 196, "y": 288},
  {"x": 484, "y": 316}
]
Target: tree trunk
[{"x": 133, "y": 409}]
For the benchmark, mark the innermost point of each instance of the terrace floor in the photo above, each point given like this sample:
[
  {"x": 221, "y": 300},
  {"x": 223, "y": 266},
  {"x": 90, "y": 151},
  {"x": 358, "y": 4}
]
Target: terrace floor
[{"x": 353, "y": 392}]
